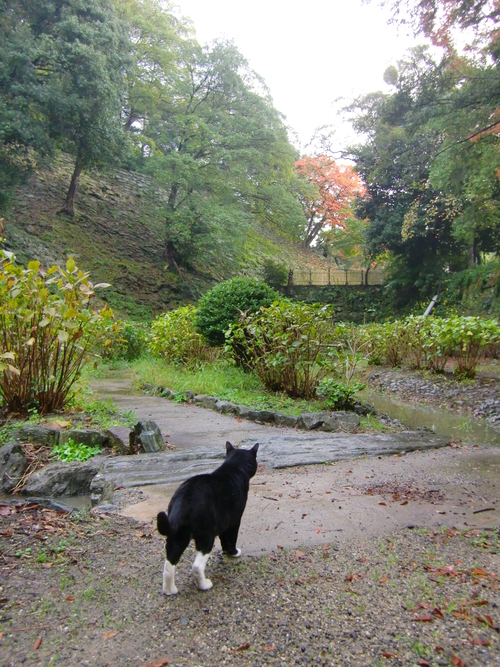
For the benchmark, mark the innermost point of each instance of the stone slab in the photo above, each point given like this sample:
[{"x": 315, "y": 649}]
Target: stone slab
[{"x": 278, "y": 451}]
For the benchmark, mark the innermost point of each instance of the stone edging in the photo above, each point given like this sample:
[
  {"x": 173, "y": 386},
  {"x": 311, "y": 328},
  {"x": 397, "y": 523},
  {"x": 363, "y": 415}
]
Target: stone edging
[{"x": 313, "y": 421}]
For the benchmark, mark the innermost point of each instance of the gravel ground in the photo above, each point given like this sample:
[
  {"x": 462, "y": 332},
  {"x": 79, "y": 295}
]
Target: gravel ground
[{"x": 88, "y": 592}]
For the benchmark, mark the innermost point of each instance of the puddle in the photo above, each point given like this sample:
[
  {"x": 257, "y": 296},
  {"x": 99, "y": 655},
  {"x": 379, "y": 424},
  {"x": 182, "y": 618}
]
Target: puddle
[{"x": 442, "y": 422}]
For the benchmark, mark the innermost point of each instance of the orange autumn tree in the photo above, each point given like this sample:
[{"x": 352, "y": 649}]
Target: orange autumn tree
[{"x": 328, "y": 203}]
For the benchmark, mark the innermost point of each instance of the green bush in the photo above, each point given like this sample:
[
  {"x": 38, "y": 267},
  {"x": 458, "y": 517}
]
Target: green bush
[
  {"x": 275, "y": 274},
  {"x": 130, "y": 342},
  {"x": 338, "y": 396},
  {"x": 290, "y": 346},
  {"x": 223, "y": 304},
  {"x": 429, "y": 342},
  {"x": 173, "y": 338},
  {"x": 48, "y": 331}
]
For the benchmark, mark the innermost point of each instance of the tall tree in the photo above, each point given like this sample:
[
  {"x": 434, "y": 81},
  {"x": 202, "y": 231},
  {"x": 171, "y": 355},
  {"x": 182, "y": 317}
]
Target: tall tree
[
  {"x": 328, "y": 203},
  {"x": 219, "y": 148}
]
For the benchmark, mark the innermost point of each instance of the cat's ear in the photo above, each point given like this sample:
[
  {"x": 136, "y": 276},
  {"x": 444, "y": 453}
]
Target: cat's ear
[
  {"x": 229, "y": 448},
  {"x": 255, "y": 448}
]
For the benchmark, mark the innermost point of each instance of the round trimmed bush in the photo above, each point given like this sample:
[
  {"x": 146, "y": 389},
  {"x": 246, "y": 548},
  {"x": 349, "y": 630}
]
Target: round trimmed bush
[{"x": 221, "y": 306}]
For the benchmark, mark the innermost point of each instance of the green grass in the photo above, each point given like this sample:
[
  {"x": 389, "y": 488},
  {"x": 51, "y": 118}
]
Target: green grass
[{"x": 221, "y": 379}]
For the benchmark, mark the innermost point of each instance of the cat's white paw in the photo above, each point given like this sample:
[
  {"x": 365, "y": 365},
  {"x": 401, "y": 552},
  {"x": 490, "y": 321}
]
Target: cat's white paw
[
  {"x": 205, "y": 585},
  {"x": 236, "y": 555},
  {"x": 172, "y": 591}
]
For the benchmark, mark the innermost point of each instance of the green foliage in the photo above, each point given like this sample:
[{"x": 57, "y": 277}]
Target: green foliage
[
  {"x": 222, "y": 379},
  {"x": 173, "y": 338},
  {"x": 72, "y": 451},
  {"x": 128, "y": 342},
  {"x": 223, "y": 304},
  {"x": 288, "y": 345},
  {"x": 430, "y": 342},
  {"x": 336, "y": 395},
  {"x": 275, "y": 274},
  {"x": 48, "y": 327}
]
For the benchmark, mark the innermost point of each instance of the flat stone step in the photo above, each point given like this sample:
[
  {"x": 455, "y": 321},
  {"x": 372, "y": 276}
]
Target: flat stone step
[{"x": 279, "y": 451}]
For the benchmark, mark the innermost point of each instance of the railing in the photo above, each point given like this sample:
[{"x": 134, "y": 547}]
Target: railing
[{"x": 332, "y": 276}]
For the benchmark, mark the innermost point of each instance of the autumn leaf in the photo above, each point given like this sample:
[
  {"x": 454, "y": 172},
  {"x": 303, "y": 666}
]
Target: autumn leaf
[
  {"x": 423, "y": 663},
  {"x": 423, "y": 619},
  {"x": 243, "y": 647},
  {"x": 478, "y": 641},
  {"x": 383, "y": 580},
  {"x": 110, "y": 635},
  {"x": 457, "y": 662},
  {"x": 388, "y": 655},
  {"x": 37, "y": 643},
  {"x": 269, "y": 648},
  {"x": 158, "y": 663},
  {"x": 70, "y": 598}
]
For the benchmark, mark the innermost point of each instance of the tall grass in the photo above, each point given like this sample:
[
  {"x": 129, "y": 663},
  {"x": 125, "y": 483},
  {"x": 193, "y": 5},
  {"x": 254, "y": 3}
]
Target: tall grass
[{"x": 221, "y": 379}]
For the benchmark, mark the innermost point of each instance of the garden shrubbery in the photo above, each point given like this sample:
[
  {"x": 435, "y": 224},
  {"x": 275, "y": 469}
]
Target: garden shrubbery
[
  {"x": 290, "y": 346},
  {"x": 48, "y": 331},
  {"x": 430, "y": 342},
  {"x": 223, "y": 304},
  {"x": 173, "y": 338}
]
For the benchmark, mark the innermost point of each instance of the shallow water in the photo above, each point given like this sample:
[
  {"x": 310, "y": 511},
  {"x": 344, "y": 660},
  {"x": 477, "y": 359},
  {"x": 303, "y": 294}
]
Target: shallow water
[{"x": 442, "y": 422}]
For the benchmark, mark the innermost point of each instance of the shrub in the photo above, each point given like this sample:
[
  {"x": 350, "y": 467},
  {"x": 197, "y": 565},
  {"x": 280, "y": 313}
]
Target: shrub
[
  {"x": 174, "y": 338},
  {"x": 275, "y": 274},
  {"x": 290, "y": 346},
  {"x": 338, "y": 396},
  {"x": 129, "y": 342},
  {"x": 48, "y": 330},
  {"x": 222, "y": 305},
  {"x": 469, "y": 337}
]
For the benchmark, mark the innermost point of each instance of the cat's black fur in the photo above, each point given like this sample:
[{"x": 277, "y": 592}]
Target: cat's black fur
[{"x": 207, "y": 506}]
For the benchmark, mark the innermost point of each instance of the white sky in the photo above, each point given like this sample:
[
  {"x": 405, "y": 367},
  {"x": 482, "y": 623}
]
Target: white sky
[{"x": 309, "y": 53}]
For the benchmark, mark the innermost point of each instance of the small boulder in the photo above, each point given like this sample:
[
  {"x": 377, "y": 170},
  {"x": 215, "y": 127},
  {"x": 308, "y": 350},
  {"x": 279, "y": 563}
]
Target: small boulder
[
  {"x": 148, "y": 435},
  {"x": 63, "y": 479},
  {"x": 13, "y": 464},
  {"x": 205, "y": 401},
  {"x": 225, "y": 407},
  {"x": 38, "y": 435},
  {"x": 89, "y": 437},
  {"x": 285, "y": 420},
  {"x": 310, "y": 421},
  {"x": 341, "y": 421},
  {"x": 118, "y": 438}
]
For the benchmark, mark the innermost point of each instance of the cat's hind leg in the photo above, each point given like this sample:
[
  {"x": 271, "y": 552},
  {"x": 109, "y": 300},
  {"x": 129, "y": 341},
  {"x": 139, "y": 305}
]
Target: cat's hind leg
[
  {"x": 175, "y": 547},
  {"x": 228, "y": 542},
  {"x": 204, "y": 546}
]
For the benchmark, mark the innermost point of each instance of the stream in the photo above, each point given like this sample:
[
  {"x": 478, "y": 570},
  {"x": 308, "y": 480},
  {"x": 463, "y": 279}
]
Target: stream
[{"x": 442, "y": 422}]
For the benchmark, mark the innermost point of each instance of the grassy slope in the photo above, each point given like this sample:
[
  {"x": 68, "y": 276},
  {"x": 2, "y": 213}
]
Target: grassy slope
[{"x": 116, "y": 235}]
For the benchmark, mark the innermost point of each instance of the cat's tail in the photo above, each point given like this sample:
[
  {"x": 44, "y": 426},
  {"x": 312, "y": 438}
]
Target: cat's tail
[{"x": 163, "y": 524}]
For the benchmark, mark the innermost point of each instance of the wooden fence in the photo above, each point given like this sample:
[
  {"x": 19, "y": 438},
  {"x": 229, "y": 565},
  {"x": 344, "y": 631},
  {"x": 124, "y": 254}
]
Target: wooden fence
[{"x": 332, "y": 276}]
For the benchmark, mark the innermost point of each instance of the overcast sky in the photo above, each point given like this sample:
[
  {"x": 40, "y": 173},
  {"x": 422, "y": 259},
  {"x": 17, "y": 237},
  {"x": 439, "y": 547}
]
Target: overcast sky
[{"x": 309, "y": 52}]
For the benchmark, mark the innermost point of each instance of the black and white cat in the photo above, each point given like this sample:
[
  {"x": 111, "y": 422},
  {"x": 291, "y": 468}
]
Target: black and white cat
[{"x": 204, "y": 507}]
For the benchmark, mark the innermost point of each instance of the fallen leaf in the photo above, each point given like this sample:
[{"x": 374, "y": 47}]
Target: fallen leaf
[
  {"x": 269, "y": 648},
  {"x": 47, "y": 566},
  {"x": 381, "y": 502},
  {"x": 480, "y": 603},
  {"x": 479, "y": 573},
  {"x": 388, "y": 655},
  {"x": 405, "y": 502},
  {"x": 37, "y": 643},
  {"x": 110, "y": 635},
  {"x": 299, "y": 555},
  {"x": 438, "y": 649},
  {"x": 280, "y": 547},
  {"x": 457, "y": 662},
  {"x": 437, "y": 612},
  {"x": 243, "y": 647},
  {"x": 383, "y": 580},
  {"x": 158, "y": 663},
  {"x": 423, "y": 619},
  {"x": 239, "y": 421},
  {"x": 70, "y": 598},
  {"x": 423, "y": 663},
  {"x": 317, "y": 531},
  {"x": 478, "y": 641}
]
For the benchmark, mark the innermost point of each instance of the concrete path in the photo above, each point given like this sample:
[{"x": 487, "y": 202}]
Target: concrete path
[{"x": 378, "y": 492}]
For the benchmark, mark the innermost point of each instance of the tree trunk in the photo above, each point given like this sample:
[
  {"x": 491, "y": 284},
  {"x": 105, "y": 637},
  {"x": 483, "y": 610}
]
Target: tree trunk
[
  {"x": 69, "y": 204},
  {"x": 472, "y": 256}
]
